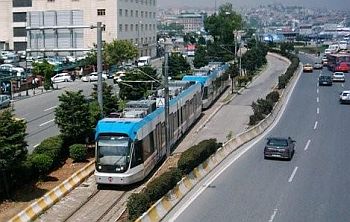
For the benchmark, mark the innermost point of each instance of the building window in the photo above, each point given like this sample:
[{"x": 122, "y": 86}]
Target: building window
[
  {"x": 50, "y": 0},
  {"x": 120, "y": 12},
  {"x": 126, "y": 27},
  {"x": 101, "y": 12},
  {"x": 131, "y": 27},
  {"x": 19, "y": 17},
  {"x": 126, "y": 13},
  {"x": 20, "y": 46},
  {"x": 19, "y": 32},
  {"x": 120, "y": 28},
  {"x": 137, "y": 13},
  {"x": 154, "y": 15},
  {"x": 22, "y": 3},
  {"x": 141, "y": 14},
  {"x": 132, "y": 13}
]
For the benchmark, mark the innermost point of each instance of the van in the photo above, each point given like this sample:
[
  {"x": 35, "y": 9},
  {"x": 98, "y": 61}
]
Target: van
[{"x": 144, "y": 61}]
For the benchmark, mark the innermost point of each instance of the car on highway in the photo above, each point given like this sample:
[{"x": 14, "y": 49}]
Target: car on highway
[
  {"x": 5, "y": 101},
  {"x": 93, "y": 77},
  {"x": 324, "y": 60},
  {"x": 308, "y": 67},
  {"x": 338, "y": 77},
  {"x": 279, "y": 147},
  {"x": 325, "y": 80},
  {"x": 318, "y": 65},
  {"x": 61, "y": 77},
  {"x": 344, "y": 97}
]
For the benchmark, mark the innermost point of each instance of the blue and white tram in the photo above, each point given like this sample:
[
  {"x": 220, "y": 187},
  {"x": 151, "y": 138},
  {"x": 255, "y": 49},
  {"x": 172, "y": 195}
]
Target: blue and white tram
[
  {"x": 128, "y": 148},
  {"x": 210, "y": 79}
]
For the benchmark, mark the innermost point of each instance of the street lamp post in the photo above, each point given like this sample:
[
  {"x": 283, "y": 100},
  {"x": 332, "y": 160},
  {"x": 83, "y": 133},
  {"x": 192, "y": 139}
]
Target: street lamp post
[{"x": 99, "y": 67}]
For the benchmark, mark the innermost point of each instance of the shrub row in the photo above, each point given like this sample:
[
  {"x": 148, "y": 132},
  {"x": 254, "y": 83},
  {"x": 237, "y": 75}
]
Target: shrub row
[
  {"x": 263, "y": 107},
  {"x": 284, "y": 78},
  {"x": 141, "y": 202}
]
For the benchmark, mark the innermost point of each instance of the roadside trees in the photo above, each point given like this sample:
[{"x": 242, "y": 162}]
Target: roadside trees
[
  {"x": 13, "y": 149},
  {"x": 46, "y": 70},
  {"x": 72, "y": 117},
  {"x": 136, "y": 85},
  {"x": 200, "y": 57},
  {"x": 114, "y": 52},
  {"x": 178, "y": 66}
]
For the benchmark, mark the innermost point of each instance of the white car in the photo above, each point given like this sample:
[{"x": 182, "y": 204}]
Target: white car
[
  {"x": 61, "y": 77},
  {"x": 344, "y": 97},
  {"x": 93, "y": 77},
  {"x": 338, "y": 77}
]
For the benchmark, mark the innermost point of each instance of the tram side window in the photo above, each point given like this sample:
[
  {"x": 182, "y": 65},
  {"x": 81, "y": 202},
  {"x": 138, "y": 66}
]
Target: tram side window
[
  {"x": 137, "y": 155},
  {"x": 148, "y": 146},
  {"x": 205, "y": 92}
]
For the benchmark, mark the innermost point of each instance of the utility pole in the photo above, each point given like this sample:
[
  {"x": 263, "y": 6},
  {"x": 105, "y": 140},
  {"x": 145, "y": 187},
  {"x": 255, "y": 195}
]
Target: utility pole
[
  {"x": 166, "y": 100},
  {"x": 99, "y": 67}
]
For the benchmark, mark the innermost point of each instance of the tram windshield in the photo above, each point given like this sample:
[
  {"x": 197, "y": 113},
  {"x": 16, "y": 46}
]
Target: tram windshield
[{"x": 113, "y": 150}]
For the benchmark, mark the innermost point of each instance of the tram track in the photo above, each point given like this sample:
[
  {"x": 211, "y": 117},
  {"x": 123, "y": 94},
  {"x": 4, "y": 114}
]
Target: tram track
[{"x": 101, "y": 201}]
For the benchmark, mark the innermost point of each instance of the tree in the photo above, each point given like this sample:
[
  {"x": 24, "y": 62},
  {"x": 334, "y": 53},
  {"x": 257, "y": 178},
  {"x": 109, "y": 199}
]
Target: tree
[
  {"x": 190, "y": 38},
  {"x": 137, "y": 90},
  {"x": 46, "y": 70},
  {"x": 177, "y": 65},
  {"x": 200, "y": 57},
  {"x": 222, "y": 25},
  {"x": 115, "y": 52},
  {"x": 72, "y": 117},
  {"x": 110, "y": 101},
  {"x": 286, "y": 46},
  {"x": 201, "y": 40},
  {"x": 13, "y": 147}
]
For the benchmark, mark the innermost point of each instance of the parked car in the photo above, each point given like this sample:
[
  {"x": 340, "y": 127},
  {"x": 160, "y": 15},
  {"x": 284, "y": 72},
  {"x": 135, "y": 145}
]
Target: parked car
[
  {"x": 308, "y": 68},
  {"x": 279, "y": 147},
  {"x": 61, "y": 77},
  {"x": 318, "y": 65},
  {"x": 5, "y": 101},
  {"x": 338, "y": 77},
  {"x": 93, "y": 77},
  {"x": 344, "y": 97},
  {"x": 325, "y": 80}
]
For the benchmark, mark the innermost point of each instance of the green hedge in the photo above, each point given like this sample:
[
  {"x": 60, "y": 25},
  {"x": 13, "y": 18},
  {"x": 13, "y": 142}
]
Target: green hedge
[
  {"x": 78, "y": 152},
  {"x": 196, "y": 155},
  {"x": 52, "y": 147},
  {"x": 139, "y": 203},
  {"x": 41, "y": 163}
]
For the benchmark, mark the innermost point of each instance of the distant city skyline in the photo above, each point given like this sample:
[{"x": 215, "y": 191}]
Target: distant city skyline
[{"x": 335, "y": 4}]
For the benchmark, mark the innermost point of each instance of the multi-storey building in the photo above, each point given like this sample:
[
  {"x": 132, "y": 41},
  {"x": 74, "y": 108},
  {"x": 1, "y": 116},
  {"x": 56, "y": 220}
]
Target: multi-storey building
[
  {"x": 62, "y": 26},
  {"x": 13, "y": 24},
  {"x": 191, "y": 22}
]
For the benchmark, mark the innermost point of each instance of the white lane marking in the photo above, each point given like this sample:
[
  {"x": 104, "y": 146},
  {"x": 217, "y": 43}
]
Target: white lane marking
[
  {"x": 320, "y": 74},
  {"x": 317, "y": 90},
  {"x": 307, "y": 145},
  {"x": 318, "y": 99},
  {"x": 45, "y": 110},
  {"x": 273, "y": 215},
  {"x": 315, "y": 126},
  {"x": 293, "y": 174},
  {"x": 220, "y": 171},
  {"x": 35, "y": 146},
  {"x": 342, "y": 85},
  {"x": 47, "y": 122},
  {"x": 318, "y": 110}
]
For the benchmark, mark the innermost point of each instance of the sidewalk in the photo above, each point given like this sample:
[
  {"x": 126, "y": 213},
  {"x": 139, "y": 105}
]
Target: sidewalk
[
  {"x": 31, "y": 92},
  {"x": 227, "y": 118}
]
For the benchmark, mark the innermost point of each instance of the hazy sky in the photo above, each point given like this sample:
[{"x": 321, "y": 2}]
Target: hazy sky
[{"x": 331, "y": 4}]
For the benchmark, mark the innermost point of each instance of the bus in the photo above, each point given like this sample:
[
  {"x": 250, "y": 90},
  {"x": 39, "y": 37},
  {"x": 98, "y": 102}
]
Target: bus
[{"x": 338, "y": 62}]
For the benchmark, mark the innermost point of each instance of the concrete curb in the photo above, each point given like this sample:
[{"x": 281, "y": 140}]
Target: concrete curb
[
  {"x": 166, "y": 203},
  {"x": 53, "y": 196}
]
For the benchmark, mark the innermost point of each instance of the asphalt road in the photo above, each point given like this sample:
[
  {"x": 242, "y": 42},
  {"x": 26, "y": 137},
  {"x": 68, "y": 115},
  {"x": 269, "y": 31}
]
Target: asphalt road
[
  {"x": 39, "y": 111},
  {"x": 312, "y": 187}
]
